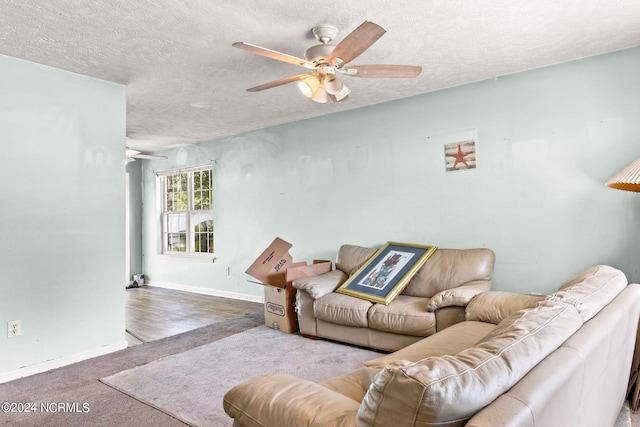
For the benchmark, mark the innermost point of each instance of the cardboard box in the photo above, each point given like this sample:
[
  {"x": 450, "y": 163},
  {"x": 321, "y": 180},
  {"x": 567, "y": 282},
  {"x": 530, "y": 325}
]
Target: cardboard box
[
  {"x": 275, "y": 269},
  {"x": 280, "y": 309},
  {"x": 280, "y": 303},
  {"x": 317, "y": 268},
  {"x": 270, "y": 267}
]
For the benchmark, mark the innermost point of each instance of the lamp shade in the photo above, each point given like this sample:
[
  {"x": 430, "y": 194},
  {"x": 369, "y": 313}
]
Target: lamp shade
[
  {"x": 333, "y": 85},
  {"x": 320, "y": 95},
  {"x": 336, "y": 88},
  {"x": 309, "y": 85},
  {"x": 627, "y": 179}
]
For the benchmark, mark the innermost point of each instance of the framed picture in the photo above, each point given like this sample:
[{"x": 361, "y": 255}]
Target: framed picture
[
  {"x": 460, "y": 155},
  {"x": 387, "y": 272}
]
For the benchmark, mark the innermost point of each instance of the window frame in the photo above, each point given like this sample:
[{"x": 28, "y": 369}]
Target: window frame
[{"x": 189, "y": 214}]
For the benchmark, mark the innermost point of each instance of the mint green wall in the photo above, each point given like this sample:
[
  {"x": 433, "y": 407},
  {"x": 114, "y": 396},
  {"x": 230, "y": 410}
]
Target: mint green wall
[
  {"x": 134, "y": 171},
  {"x": 62, "y": 185},
  {"x": 547, "y": 141}
]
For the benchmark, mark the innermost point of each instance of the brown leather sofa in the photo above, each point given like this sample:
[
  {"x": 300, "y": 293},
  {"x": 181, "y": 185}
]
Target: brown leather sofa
[
  {"x": 433, "y": 300},
  {"x": 560, "y": 360}
]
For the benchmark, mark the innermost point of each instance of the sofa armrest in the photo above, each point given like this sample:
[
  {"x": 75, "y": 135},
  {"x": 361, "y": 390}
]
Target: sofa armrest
[
  {"x": 280, "y": 400},
  {"x": 459, "y": 296},
  {"x": 494, "y": 306},
  {"x": 317, "y": 286}
]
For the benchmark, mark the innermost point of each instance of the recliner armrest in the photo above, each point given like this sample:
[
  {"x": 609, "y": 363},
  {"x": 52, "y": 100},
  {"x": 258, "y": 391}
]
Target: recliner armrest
[
  {"x": 317, "y": 286},
  {"x": 459, "y": 296}
]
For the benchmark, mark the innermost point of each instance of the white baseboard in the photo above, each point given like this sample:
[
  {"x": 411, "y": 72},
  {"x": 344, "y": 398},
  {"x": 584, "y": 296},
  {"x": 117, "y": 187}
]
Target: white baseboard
[
  {"x": 206, "y": 291},
  {"x": 60, "y": 362}
]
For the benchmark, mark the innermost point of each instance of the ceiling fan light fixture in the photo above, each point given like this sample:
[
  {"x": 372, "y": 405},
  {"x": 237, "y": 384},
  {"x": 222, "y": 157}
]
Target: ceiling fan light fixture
[
  {"x": 337, "y": 89},
  {"x": 333, "y": 85},
  {"x": 320, "y": 95},
  {"x": 342, "y": 94},
  {"x": 309, "y": 85}
]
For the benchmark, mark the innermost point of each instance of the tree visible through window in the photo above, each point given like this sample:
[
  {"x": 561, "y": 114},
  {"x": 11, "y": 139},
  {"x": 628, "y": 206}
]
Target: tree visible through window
[{"x": 187, "y": 211}]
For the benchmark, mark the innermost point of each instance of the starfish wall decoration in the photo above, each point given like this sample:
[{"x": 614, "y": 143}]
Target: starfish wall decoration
[{"x": 460, "y": 155}]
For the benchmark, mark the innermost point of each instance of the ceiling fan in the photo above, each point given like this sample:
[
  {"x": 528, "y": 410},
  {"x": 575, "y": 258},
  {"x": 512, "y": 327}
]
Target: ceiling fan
[
  {"x": 327, "y": 61},
  {"x": 132, "y": 155}
]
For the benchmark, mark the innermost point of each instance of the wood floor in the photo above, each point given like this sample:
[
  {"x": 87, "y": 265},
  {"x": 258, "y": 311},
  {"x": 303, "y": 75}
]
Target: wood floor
[{"x": 153, "y": 313}]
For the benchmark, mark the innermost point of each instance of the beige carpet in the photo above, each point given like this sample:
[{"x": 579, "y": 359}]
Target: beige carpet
[
  {"x": 190, "y": 385},
  {"x": 624, "y": 418}
]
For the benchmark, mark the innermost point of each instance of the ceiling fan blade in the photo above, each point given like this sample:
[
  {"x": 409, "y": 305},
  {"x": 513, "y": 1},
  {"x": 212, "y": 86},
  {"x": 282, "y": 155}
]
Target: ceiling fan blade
[
  {"x": 279, "y": 82},
  {"x": 274, "y": 55},
  {"x": 132, "y": 155},
  {"x": 357, "y": 42},
  {"x": 149, "y": 156},
  {"x": 383, "y": 70}
]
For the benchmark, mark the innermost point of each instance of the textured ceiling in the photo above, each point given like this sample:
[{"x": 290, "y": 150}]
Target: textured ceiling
[{"x": 185, "y": 83}]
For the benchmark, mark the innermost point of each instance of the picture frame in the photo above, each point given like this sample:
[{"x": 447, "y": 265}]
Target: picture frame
[
  {"x": 460, "y": 155},
  {"x": 381, "y": 278}
]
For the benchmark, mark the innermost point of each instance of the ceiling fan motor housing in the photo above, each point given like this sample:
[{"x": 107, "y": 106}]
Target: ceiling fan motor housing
[
  {"x": 318, "y": 54},
  {"x": 324, "y": 34}
]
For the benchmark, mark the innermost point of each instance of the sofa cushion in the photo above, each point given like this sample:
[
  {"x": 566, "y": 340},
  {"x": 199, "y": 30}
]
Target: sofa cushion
[
  {"x": 342, "y": 309},
  {"x": 494, "y": 306},
  {"x": 451, "y": 340},
  {"x": 449, "y": 268},
  {"x": 447, "y": 390},
  {"x": 351, "y": 257},
  {"x": 404, "y": 315},
  {"x": 592, "y": 289}
]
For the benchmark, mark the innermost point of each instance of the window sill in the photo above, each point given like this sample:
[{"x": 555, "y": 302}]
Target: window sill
[{"x": 191, "y": 258}]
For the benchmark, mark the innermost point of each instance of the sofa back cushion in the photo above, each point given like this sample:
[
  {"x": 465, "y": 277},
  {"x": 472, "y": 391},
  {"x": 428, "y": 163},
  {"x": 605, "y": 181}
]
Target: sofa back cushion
[
  {"x": 450, "y": 268},
  {"x": 351, "y": 257},
  {"x": 592, "y": 289},
  {"x": 448, "y": 390}
]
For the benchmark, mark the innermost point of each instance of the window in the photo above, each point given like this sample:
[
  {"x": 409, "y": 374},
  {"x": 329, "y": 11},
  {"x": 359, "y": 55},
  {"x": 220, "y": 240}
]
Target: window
[{"x": 187, "y": 211}]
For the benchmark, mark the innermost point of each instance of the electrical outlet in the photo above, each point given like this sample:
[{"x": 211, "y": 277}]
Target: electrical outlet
[
  {"x": 227, "y": 271},
  {"x": 14, "y": 328}
]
